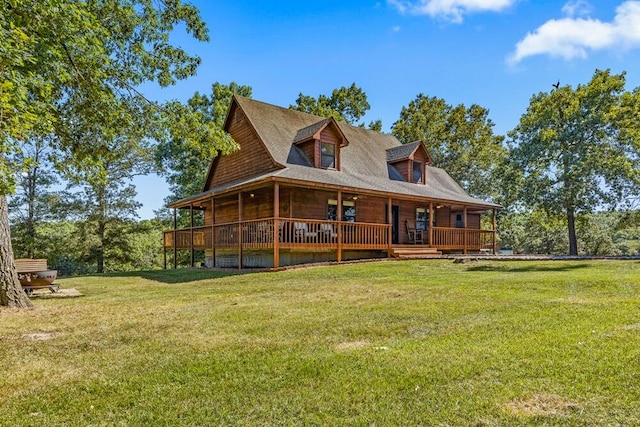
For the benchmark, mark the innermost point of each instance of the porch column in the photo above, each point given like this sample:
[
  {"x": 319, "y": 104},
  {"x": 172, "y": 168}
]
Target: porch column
[
  {"x": 175, "y": 239},
  {"x": 240, "y": 231},
  {"x": 276, "y": 225},
  {"x": 339, "y": 254},
  {"x": 495, "y": 212},
  {"x": 390, "y": 224},
  {"x": 192, "y": 258},
  {"x": 464, "y": 228},
  {"x": 431, "y": 218},
  {"x": 213, "y": 231}
]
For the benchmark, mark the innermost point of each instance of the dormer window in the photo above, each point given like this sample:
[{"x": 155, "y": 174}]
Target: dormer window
[
  {"x": 321, "y": 143},
  {"x": 328, "y": 155},
  {"x": 408, "y": 162},
  {"x": 418, "y": 169}
]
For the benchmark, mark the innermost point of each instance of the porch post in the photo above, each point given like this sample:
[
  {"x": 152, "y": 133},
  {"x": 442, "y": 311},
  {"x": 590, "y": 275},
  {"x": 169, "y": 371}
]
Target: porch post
[
  {"x": 240, "y": 231},
  {"x": 493, "y": 245},
  {"x": 464, "y": 228},
  {"x": 213, "y": 231},
  {"x": 192, "y": 258},
  {"x": 339, "y": 254},
  {"x": 390, "y": 224},
  {"x": 175, "y": 239},
  {"x": 431, "y": 218},
  {"x": 276, "y": 225}
]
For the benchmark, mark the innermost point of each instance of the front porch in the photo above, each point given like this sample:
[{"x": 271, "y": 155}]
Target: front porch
[{"x": 269, "y": 238}]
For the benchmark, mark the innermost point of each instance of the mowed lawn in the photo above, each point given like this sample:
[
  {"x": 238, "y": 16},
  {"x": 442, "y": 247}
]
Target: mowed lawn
[{"x": 431, "y": 342}]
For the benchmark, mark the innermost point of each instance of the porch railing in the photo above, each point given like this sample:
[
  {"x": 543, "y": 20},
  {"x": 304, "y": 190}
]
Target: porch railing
[
  {"x": 461, "y": 238},
  {"x": 295, "y": 233},
  {"x": 291, "y": 233}
]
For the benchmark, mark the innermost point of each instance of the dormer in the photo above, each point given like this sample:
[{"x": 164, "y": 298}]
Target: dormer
[
  {"x": 321, "y": 143},
  {"x": 408, "y": 162}
]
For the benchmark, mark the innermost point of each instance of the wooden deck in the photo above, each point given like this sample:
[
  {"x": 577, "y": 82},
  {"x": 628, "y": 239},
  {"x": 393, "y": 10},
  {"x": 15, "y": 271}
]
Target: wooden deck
[{"x": 292, "y": 233}]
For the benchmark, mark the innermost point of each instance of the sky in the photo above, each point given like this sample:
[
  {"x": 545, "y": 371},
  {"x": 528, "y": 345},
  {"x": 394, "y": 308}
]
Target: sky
[{"x": 494, "y": 53}]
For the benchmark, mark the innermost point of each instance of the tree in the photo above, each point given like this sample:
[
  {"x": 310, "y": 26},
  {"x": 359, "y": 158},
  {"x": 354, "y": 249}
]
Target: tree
[
  {"x": 65, "y": 55},
  {"x": 185, "y": 162},
  {"x": 578, "y": 150},
  {"x": 33, "y": 202},
  {"x": 107, "y": 196},
  {"x": 459, "y": 139},
  {"x": 347, "y": 104}
]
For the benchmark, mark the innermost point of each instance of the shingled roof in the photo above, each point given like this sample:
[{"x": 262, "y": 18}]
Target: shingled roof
[
  {"x": 402, "y": 152},
  {"x": 310, "y": 130},
  {"x": 364, "y": 161}
]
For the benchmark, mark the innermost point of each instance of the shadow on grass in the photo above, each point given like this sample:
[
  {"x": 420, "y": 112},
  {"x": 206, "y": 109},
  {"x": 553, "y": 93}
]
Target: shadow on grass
[
  {"x": 184, "y": 275},
  {"x": 528, "y": 268}
]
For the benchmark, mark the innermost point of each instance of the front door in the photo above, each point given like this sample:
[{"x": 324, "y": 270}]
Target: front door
[{"x": 395, "y": 222}]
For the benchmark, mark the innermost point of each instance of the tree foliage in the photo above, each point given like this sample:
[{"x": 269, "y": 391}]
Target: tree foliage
[
  {"x": 347, "y": 104},
  {"x": 64, "y": 59},
  {"x": 459, "y": 139},
  {"x": 185, "y": 161},
  {"x": 577, "y": 150},
  {"x": 34, "y": 200}
]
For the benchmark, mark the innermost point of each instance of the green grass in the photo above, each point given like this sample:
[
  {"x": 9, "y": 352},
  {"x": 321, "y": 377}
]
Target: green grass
[{"x": 385, "y": 343}]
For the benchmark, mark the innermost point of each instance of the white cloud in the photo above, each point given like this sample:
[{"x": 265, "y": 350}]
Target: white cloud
[
  {"x": 452, "y": 10},
  {"x": 577, "y": 8},
  {"x": 395, "y": 29},
  {"x": 572, "y": 37}
]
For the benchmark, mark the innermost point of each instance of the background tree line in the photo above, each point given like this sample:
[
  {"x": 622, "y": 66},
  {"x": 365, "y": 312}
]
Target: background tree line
[{"x": 567, "y": 175}]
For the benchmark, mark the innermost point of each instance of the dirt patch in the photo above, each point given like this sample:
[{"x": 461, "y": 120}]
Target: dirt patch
[
  {"x": 351, "y": 345},
  {"x": 541, "y": 405},
  {"x": 61, "y": 293},
  {"x": 40, "y": 336}
]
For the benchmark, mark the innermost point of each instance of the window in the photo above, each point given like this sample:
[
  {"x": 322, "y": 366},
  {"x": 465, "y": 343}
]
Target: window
[
  {"x": 328, "y": 155},
  {"x": 422, "y": 219},
  {"x": 417, "y": 172},
  {"x": 332, "y": 210},
  {"x": 348, "y": 210},
  {"x": 459, "y": 222}
]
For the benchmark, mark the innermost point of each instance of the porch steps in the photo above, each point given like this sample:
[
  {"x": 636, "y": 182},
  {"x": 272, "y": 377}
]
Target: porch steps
[{"x": 412, "y": 252}]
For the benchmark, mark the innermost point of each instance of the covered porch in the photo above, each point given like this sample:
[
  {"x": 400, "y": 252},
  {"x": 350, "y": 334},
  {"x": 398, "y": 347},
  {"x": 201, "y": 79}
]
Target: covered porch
[{"x": 278, "y": 223}]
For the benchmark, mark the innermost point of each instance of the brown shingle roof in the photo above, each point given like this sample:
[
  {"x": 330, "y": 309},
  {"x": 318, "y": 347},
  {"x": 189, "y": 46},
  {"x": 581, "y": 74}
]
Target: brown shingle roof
[
  {"x": 364, "y": 161},
  {"x": 402, "y": 152},
  {"x": 309, "y": 131}
]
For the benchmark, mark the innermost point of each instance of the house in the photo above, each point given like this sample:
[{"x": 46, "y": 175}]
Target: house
[{"x": 304, "y": 189}]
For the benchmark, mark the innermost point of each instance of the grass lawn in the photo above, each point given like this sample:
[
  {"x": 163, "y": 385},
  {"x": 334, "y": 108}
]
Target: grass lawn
[{"x": 385, "y": 343}]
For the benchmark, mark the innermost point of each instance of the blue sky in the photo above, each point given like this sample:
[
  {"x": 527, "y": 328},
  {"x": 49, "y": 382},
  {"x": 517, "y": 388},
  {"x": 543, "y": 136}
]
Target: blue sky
[{"x": 495, "y": 53}]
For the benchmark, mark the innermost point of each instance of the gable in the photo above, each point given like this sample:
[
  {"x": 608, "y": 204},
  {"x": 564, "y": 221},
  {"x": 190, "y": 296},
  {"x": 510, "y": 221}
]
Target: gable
[{"x": 250, "y": 160}]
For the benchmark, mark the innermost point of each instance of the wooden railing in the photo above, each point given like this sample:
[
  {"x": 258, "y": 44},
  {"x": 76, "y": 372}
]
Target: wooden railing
[
  {"x": 461, "y": 238},
  {"x": 295, "y": 233},
  {"x": 291, "y": 233}
]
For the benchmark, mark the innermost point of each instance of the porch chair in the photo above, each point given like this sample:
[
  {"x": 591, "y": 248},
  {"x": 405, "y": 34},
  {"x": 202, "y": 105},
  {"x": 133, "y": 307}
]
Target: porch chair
[
  {"x": 302, "y": 232},
  {"x": 415, "y": 236},
  {"x": 328, "y": 231}
]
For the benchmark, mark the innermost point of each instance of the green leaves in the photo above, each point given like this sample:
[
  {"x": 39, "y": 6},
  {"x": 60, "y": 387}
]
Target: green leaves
[
  {"x": 194, "y": 137},
  {"x": 577, "y": 149},
  {"x": 347, "y": 104},
  {"x": 459, "y": 139}
]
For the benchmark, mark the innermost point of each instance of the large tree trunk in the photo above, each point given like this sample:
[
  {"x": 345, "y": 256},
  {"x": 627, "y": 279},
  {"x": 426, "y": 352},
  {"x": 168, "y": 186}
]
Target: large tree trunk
[
  {"x": 11, "y": 293},
  {"x": 573, "y": 240}
]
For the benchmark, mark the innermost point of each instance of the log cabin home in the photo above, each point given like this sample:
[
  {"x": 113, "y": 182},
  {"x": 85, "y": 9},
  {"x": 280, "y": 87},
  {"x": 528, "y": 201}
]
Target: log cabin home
[{"x": 305, "y": 189}]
